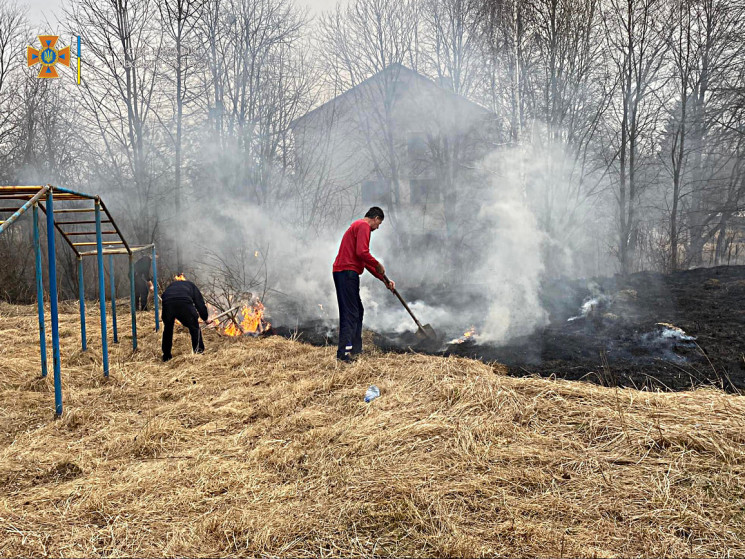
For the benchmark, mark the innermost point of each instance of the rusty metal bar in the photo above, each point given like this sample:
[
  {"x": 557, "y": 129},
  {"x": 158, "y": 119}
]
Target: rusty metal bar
[
  {"x": 111, "y": 219},
  {"x": 119, "y": 250},
  {"x": 93, "y": 243},
  {"x": 90, "y": 233},
  {"x": 84, "y": 222},
  {"x": 8, "y": 222},
  {"x": 61, "y": 232}
]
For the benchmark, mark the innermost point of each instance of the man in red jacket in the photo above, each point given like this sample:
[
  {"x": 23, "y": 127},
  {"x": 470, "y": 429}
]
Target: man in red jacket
[{"x": 353, "y": 258}]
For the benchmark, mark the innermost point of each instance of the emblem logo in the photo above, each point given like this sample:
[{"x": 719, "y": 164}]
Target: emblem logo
[{"x": 48, "y": 56}]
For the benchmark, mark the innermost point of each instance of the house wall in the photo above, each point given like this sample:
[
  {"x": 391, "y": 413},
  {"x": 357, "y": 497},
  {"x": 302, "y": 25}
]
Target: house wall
[{"x": 398, "y": 129}]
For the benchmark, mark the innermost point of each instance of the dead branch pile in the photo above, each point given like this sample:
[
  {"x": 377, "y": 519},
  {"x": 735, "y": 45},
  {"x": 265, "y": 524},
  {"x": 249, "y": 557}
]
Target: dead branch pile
[{"x": 265, "y": 447}]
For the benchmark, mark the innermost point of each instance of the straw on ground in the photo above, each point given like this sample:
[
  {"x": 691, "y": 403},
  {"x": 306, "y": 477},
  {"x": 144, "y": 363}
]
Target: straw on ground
[{"x": 265, "y": 447}]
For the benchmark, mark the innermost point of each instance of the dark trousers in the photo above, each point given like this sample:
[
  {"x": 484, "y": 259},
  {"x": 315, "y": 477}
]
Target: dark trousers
[
  {"x": 187, "y": 315},
  {"x": 141, "y": 292},
  {"x": 350, "y": 313}
]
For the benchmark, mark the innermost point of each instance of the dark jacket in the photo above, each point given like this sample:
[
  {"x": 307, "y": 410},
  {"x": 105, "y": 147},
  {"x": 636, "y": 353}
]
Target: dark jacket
[
  {"x": 185, "y": 292},
  {"x": 143, "y": 269}
]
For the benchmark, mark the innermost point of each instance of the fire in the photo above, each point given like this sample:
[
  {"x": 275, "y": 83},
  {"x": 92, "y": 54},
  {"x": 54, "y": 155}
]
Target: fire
[
  {"x": 467, "y": 335},
  {"x": 179, "y": 277},
  {"x": 252, "y": 321}
]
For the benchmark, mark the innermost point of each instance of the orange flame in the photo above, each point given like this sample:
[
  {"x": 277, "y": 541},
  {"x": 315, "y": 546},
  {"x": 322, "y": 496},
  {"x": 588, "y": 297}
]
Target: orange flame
[
  {"x": 179, "y": 277},
  {"x": 252, "y": 322},
  {"x": 465, "y": 337}
]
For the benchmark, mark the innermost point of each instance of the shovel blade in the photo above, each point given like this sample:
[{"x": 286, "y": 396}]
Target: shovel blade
[{"x": 426, "y": 332}]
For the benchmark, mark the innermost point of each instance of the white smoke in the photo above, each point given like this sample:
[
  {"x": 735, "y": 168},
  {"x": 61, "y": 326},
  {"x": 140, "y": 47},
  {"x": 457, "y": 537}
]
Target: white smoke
[
  {"x": 506, "y": 269},
  {"x": 384, "y": 313},
  {"x": 511, "y": 264}
]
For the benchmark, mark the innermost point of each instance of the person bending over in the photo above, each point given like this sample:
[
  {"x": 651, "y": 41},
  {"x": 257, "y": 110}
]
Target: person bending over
[{"x": 183, "y": 301}]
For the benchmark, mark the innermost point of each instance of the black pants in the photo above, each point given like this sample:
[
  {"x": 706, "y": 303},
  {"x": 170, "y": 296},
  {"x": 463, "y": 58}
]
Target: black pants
[
  {"x": 350, "y": 313},
  {"x": 141, "y": 292},
  {"x": 187, "y": 315}
]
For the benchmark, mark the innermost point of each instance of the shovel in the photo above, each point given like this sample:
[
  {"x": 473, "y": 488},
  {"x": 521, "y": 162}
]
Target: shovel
[
  {"x": 425, "y": 331},
  {"x": 213, "y": 319}
]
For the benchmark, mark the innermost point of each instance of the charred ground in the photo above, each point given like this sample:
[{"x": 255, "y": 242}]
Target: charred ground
[{"x": 618, "y": 340}]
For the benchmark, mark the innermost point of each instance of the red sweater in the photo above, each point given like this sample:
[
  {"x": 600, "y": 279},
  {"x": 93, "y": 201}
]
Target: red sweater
[{"x": 354, "y": 252}]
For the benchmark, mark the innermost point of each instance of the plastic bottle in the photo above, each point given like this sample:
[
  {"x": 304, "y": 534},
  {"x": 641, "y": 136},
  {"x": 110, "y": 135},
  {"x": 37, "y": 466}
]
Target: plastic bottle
[{"x": 372, "y": 393}]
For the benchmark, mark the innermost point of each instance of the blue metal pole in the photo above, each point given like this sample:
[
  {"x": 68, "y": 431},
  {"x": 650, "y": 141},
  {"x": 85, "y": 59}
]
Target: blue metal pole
[
  {"x": 53, "y": 304},
  {"x": 75, "y": 192},
  {"x": 40, "y": 295},
  {"x": 81, "y": 304},
  {"x": 132, "y": 301},
  {"x": 113, "y": 297},
  {"x": 102, "y": 292},
  {"x": 155, "y": 291}
]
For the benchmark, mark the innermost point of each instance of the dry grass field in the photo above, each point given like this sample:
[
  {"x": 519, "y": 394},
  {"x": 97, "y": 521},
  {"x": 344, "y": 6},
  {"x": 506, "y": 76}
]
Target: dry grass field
[{"x": 265, "y": 447}]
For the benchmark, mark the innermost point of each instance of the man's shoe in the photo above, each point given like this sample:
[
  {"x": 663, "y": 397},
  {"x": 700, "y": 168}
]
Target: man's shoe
[
  {"x": 167, "y": 358},
  {"x": 346, "y": 360}
]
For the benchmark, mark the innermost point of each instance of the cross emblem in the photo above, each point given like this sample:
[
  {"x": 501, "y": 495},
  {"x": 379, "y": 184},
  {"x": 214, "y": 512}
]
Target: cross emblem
[{"x": 48, "y": 56}]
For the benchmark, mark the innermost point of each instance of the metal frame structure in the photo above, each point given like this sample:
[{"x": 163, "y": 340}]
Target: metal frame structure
[{"x": 69, "y": 229}]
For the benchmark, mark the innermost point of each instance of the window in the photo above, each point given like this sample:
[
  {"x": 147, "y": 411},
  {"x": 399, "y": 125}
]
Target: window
[
  {"x": 416, "y": 148},
  {"x": 374, "y": 192},
  {"x": 423, "y": 191}
]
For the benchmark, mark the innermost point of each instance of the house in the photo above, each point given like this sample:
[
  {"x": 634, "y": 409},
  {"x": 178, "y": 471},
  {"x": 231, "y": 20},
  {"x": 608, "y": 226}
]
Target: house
[{"x": 397, "y": 140}]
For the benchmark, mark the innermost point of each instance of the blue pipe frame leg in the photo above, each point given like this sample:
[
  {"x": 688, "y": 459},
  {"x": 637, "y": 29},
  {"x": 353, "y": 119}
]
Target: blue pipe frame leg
[
  {"x": 155, "y": 291},
  {"x": 53, "y": 304},
  {"x": 132, "y": 308},
  {"x": 81, "y": 304},
  {"x": 40, "y": 294},
  {"x": 102, "y": 290},
  {"x": 112, "y": 286}
]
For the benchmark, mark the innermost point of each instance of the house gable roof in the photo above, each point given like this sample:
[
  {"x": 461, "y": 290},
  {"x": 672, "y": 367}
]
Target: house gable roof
[{"x": 397, "y": 67}]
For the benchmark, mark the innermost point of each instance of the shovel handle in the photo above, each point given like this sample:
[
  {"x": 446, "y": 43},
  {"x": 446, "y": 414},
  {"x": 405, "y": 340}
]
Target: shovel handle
[
  {"x": 220, "y": 315},
  {"x": 397, "y": 294}
]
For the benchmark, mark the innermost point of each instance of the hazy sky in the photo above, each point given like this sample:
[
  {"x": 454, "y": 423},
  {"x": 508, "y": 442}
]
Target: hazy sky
[{"x": 41, "y": 10}]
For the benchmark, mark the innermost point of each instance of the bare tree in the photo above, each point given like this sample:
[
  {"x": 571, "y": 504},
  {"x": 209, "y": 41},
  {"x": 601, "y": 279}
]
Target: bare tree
[
  {"x": 505, "y": 28},
  {"x": 717, "y": 36},
  {"x": 12, "y": 35},
  {"x": 571, "y": 100},
  {"x": 121, "y": 96},
  {"x": 450, "y": 45},
  {"x": 179, "y": 18},
  {"x": 684, "y": 55},
  {"x": 259, "y": 82},
  {"x": 635, "y": 37},
  {"x": 372, "y": 38}
]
